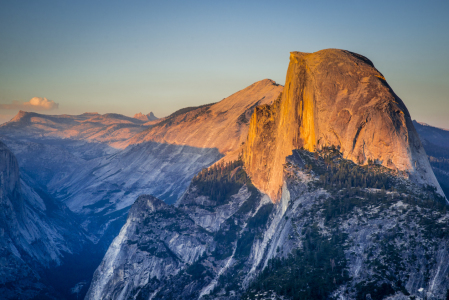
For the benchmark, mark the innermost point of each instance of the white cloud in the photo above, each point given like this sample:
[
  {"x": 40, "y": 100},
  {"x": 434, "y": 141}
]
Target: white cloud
[
  {"x": 42, "y": 103},
  {"x": 35, "y": 104}
]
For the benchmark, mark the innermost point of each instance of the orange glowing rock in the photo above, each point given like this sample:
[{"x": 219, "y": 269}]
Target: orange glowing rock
[{"x": 333, "y": 97}]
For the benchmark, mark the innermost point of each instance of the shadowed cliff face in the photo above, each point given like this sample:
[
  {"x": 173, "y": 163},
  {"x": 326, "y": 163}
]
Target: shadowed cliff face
[{"x": 334, "y": 97}]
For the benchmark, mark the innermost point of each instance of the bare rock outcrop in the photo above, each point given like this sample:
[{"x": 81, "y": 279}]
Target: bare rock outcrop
[{"x": 334, "y": 97}]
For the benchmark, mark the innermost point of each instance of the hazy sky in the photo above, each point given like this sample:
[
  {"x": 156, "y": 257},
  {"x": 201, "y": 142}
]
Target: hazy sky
[{"x": 141, "y": 56}]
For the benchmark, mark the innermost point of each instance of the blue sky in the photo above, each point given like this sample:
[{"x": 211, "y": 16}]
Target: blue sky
[{"x": 141, "y": 56}]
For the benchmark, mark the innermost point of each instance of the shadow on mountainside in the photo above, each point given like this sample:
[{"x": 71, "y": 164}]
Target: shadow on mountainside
[{"x": 99, "y": 184}]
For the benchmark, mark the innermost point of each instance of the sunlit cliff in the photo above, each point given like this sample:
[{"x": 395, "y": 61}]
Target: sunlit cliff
[{"x": 334, "y": 97}]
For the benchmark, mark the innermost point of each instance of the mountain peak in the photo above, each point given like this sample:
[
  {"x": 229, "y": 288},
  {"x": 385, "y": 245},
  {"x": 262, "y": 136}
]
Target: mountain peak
[
  {"x": 21, "y": 116},
  {"x": 148, "y": 117},
  {"x": 334, "y": 98},
  {"x": 141, "y": 116},
  {"x": 151, "y": 116}
]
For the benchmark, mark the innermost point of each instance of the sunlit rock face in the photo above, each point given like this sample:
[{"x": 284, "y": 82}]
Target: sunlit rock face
[{"x": 334, "y": 97}]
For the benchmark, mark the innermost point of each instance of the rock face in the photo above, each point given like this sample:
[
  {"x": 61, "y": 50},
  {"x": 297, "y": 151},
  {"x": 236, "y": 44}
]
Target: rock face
[
  {"x": 157, "y": 242},
  {"x": 334, "y": 97},
  {"x": 10, "y": 179},
  {"x": 37, "y": 234}
]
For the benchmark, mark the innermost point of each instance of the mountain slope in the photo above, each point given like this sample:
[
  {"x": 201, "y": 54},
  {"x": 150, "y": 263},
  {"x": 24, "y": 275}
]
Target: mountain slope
[
  {"x": 436, "y": 143},
  {"x": 38, "y": 234},
  {"x": 433, "y": 135},
  {"x": 181, "y": 252},
  {"x": 345, "y": 237},
  {"x": 222, "y": 125},
  {"x": 339, "y": 229},
  {"x": 111, "y": 129},
  {"x": 160, "y": 254},
  {"x": 79, "y": 160},
  {"x": 334, "y": 97}
]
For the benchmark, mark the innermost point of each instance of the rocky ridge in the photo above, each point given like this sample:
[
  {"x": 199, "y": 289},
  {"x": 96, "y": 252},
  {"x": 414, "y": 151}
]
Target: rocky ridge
[
  {"x": 351, "y": 240},
  {"x": 222, "y": 125}
]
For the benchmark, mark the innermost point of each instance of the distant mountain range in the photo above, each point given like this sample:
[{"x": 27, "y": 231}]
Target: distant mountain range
[{"x": 318, "y": 189}]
